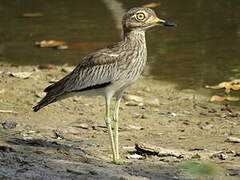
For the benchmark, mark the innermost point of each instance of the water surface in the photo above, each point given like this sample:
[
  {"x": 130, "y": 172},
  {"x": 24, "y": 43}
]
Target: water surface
[{"x": 202, "y": 49}]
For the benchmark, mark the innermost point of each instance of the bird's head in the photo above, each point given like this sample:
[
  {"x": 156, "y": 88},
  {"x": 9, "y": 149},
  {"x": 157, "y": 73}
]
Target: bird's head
[{"x": 141, "y": 19}]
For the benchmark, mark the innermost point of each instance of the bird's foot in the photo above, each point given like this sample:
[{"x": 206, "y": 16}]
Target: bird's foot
[{"x": 119, "y": 161}]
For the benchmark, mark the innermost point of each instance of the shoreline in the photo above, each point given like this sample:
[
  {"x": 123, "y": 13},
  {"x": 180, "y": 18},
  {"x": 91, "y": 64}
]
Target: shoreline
[{"x": 167, "y": 117}]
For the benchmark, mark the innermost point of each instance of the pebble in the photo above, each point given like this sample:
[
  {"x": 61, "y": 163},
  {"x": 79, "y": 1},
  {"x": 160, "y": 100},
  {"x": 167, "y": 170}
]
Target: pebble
[
  {"x": 9, "y": 125},
  {"x": 153, "y": 102},
  {"x": 72, "y": 130},
  {"x": 82, "y": 125},
  {"x": 134, "y": 156},
  {"x": 40, "y": 94},
  {"x": 133, "y": 127},
  {"x": 21, "y": 75},
  {"x": 147, "y": 89},
  {"x": 58, "y": 134},
  {"x": 131, "y": 103},
  {"x": 2, "y": 91},
  {"x": 46, "y": 66},
  {"x": 67, "y": 69},
  {"x": 129, "y": 97},
  {"x": 128, "y": 148},
  {"x": 233, "y": 140}
]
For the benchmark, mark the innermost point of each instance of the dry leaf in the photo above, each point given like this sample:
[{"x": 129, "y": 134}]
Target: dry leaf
[
  {"x": 64, "y": 45},
  {"x": 217, "y": 98},
  {"x": 231, "y": 85},
  {"x": 50, "y": 43},
  {"x": 151, "y": 5},
  {"x": 32, "y": 15},
  {"x": 230, "y": 98},
  {"x": 223, "y": 98}
]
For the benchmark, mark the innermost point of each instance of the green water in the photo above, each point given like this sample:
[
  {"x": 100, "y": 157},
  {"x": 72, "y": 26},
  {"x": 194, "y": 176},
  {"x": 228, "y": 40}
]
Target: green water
[{"x": 202, "y": 49}]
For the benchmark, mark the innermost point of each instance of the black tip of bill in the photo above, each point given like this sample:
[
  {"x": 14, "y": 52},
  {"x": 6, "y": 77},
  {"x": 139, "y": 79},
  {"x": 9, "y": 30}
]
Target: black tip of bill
[{"x": 168, "y": 24}]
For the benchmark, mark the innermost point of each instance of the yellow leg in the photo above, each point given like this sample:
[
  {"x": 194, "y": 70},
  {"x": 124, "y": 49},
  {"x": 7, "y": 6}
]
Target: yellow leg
[
  {"x": 115, "y": 118},
  {"x": 108, "y": 123}
]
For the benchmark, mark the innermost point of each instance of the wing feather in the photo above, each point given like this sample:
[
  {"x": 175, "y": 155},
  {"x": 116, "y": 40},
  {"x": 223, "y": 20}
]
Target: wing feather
[{"x": 95, "y": 71}]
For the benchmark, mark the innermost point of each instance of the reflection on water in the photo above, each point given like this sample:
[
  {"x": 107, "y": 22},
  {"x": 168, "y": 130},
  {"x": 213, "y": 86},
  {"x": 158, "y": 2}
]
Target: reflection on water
[{"x": 203, "y": 49}]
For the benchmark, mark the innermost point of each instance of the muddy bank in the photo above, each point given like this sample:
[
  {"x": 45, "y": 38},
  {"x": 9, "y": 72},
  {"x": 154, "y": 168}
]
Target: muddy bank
[{"x": 68, "y": 139}]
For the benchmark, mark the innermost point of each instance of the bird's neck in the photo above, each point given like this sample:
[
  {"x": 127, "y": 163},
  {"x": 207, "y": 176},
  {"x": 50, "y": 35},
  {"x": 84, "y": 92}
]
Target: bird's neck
[{"x": 135, "y": 36}]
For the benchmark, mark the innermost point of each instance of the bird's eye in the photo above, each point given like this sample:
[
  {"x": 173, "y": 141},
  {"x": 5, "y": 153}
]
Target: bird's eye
[{"x": 140, "y": 16}]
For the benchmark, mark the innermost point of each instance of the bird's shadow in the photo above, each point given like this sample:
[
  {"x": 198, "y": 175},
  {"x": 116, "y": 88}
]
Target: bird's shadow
[{"x": 44, "y": 144}]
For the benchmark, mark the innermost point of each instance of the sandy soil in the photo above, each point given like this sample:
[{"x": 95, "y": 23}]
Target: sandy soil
[{"x": 68, "y": 139}]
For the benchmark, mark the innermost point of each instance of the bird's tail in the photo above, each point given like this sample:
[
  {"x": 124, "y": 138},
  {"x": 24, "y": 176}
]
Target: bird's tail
[{"x": 44, "y": 102}]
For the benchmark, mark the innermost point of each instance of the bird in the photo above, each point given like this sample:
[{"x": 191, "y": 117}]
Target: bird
[{"x": 109, "y": 71}]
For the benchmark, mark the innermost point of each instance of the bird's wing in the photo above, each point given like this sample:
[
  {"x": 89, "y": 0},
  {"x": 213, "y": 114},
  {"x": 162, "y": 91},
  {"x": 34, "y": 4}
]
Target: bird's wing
[{"x": 95, "y": 70}]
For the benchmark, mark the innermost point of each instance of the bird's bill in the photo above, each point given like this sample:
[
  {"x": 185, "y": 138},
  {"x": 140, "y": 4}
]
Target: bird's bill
[{"x": 160, "y": 21}]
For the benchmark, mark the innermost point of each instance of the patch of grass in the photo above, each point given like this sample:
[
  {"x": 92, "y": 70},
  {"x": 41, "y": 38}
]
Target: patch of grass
[{"x": 200, "y": 169}]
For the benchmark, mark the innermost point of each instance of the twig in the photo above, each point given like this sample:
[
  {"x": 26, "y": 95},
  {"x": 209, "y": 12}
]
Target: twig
[{"x": 8, "y": 111}]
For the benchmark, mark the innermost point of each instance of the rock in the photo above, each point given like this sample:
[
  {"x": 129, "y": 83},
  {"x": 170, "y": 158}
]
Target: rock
[
  {"x": 131, "y": 103},
  {"x": 133, "y": 127},
  {"x": 2, "y": 91},
  {"x": 82, "y": 125},
  {"x": 134, "y": 156},
  {"x": 222, "y": 156},
  {"x": 72, "y": 130},
  {"x": 233, "y": 140},
  {"x": 77, "y": 98},
  {"x": 21, "y": 75},
  {"x": 46, "y": 66},
  {"x": 58, "y": 134},
  {"x": 147, "y": 89},
  {"x": 168, "y": 114},
  {"x": 67, "y": 69},
  {"x": 7, "y": 149},
  {"x": 134, "y": 98},
  {"x": 153, "y": 102},
  {"x": 128, "y": 148},
  {"x": 9, "y": 125},
  {"x": 40, "y": 94}
]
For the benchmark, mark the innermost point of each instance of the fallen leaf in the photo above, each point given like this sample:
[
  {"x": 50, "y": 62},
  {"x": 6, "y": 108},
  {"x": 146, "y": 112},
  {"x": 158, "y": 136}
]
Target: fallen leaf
[
  {"x": 217, "y": 98},
  {"x": 231, "y": 85},
  {"x": 50, "y": 43},
  {"x": 32, "y": 15},
  {"x": 223, "y": 98},
  {"x": 151, "y": 5},
  {"x": 62, "y": 45}
]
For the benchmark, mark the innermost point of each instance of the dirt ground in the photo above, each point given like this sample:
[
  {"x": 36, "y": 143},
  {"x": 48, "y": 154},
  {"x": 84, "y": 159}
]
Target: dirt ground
[{"x": 68, "y": 139}]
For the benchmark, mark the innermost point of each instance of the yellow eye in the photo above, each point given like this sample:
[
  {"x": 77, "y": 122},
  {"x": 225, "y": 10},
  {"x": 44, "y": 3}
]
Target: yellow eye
[{"x": 140, "y": 16}]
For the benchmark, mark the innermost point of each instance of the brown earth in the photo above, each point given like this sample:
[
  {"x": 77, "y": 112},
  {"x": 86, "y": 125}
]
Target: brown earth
[{"x": 181, "y": 119}]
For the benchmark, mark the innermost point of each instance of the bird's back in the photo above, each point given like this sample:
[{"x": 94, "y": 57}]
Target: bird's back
[{"x": 115, "y": 66}]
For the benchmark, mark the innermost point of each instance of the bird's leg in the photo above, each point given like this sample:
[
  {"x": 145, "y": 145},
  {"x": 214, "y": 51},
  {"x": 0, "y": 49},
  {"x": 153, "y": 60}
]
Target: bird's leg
[
  {"x": 109, "y": 126},
  {"x": 115, "y": 119}
]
